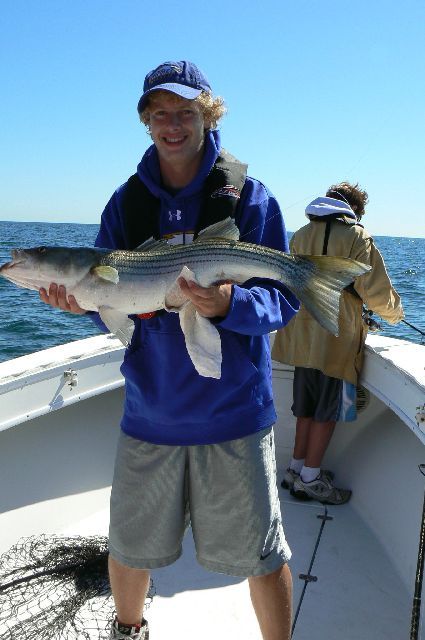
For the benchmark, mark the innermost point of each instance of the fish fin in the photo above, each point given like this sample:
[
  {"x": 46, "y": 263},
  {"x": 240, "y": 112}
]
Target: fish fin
[
  {"x": 203, "y": 342},
  {"x": 224, "y": 229},
  {"x": 107, "y": 273},
  {"x": 174, "y": 297},
  {"x": 118, "y": 323},
  {"x": 151, "y": 244},
  {"x": 321, "y": 292}
]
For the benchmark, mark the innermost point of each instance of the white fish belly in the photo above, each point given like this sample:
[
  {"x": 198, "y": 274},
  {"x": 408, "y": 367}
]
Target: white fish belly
[{"x": 130, "y": 295}]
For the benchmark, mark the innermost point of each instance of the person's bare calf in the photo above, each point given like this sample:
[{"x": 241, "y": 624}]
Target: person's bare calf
[
  {"x": 129, "y": 588},
  {"x": 271, "y": 596}
]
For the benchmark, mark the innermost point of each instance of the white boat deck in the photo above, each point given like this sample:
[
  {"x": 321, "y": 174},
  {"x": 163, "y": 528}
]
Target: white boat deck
[
  {"x": 357, "y": 587},
  {"x": 358, "y": 594}
]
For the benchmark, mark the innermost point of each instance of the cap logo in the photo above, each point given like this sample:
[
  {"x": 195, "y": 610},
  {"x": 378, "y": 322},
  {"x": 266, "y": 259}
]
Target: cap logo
[
  {"x": 228, "y": 190},
  {"x": 164, "y": 72}
]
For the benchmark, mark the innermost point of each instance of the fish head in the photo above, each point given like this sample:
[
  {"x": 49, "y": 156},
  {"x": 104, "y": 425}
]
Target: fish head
[{"x": 39, "y": 266}]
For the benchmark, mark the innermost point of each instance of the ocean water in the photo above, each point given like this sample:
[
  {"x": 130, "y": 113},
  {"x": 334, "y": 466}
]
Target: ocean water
[{"x": 28, "y": 325}]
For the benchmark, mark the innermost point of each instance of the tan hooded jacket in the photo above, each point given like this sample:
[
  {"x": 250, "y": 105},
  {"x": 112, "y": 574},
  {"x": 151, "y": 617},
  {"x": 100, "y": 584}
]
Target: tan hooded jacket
[{"x": 303, "y": 342}]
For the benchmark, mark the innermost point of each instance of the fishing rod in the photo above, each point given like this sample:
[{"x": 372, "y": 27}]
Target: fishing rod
[
  {"x": 413, "y": 327},
  {"x": 416, "y": 607}
]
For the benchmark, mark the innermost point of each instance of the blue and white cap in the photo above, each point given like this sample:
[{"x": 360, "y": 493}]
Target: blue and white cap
[{"x": 183, "y": 78}]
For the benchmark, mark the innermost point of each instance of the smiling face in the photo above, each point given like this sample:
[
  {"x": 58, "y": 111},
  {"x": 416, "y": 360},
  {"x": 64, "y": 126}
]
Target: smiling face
[{"x": 177, "y": 128}]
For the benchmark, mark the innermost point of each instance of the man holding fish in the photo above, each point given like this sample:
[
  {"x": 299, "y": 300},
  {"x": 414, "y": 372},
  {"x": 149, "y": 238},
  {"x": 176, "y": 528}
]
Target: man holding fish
[{"x": 194, "y": 447}]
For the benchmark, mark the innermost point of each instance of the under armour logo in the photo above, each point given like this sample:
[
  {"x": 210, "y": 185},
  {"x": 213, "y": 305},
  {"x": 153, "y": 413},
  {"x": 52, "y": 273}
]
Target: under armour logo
[{"x": 177, "y": 215}]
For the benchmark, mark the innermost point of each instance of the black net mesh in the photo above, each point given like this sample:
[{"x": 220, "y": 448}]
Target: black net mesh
[{"x": 56, "y": 587}]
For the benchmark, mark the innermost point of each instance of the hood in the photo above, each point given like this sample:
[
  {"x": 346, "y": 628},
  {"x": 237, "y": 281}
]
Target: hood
[
  {"x": 330, "y": 208},
  {"x": 149, "y": 172}
]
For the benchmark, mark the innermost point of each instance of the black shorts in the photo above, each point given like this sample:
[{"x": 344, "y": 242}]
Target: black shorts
[{"x": 323, "y": 398}]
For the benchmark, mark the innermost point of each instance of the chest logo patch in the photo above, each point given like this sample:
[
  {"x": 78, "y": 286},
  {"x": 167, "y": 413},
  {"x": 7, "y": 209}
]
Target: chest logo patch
[{"x": 228, "y": 190}]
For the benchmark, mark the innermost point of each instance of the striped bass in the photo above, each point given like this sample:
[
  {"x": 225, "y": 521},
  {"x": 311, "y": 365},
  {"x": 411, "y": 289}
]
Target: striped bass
[{"x": 118, "y": 283}]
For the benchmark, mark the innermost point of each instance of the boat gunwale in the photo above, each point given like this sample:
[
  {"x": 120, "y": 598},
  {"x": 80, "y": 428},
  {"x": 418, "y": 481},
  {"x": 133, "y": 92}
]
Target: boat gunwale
[{"x": 380, "y": 363}]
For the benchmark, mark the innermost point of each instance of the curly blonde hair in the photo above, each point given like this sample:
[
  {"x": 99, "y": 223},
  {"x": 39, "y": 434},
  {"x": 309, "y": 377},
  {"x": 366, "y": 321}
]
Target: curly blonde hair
[
  {"x": 356, "y": 197},
  {"x": 212, "y": 109}
]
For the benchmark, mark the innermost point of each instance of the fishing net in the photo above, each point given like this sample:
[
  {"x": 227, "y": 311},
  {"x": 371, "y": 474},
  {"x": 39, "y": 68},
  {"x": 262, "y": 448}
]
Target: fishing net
[{"x": 57, "y": 588}]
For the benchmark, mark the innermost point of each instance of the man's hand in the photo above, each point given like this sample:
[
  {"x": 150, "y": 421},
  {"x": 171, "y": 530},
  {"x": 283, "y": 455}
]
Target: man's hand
[
  {"x": 210, "y": 302},
  {"x": 56, "y": 297}
]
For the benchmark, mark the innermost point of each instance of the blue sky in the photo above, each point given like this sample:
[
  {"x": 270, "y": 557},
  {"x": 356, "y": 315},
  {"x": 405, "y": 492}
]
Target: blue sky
[{"x": 317, "y": 91}]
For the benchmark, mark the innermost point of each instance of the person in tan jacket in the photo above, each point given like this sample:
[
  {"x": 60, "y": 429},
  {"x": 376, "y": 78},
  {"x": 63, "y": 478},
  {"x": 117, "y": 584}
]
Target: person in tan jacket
[{"x": 327, "y": 367}]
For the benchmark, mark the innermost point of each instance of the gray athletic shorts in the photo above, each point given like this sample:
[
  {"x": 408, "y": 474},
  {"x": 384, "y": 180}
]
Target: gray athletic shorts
[
  {"x": 323, "y": 398},
  {"x": 228, "y": 492}
]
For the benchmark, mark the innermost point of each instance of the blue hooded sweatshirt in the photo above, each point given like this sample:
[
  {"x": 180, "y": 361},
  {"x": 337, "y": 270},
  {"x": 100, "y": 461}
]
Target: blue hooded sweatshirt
[{"x": 166, "y": 400}]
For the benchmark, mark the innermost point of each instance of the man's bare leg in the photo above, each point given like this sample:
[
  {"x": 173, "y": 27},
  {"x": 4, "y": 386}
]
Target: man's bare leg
[
  {"x": 302, "y": 434},
  {"x": 318, "y": 441},
  {"x": 129, "y": 588},
  {"x": 271, "y": 596}
]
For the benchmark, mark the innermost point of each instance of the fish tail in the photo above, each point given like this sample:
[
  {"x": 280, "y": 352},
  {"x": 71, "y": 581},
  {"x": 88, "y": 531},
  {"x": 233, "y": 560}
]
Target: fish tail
[{"x": 326, "y": 277}]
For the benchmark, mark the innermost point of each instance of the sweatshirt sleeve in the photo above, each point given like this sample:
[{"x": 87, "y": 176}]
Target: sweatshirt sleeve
[
  {"x": 375, "y": 288},
  {"x": 110, "y": 236},
  {"x": 260, "y": 305}
]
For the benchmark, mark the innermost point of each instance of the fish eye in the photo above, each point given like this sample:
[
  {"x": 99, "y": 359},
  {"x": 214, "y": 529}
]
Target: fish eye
[{"x": 41, "y": 249}]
